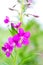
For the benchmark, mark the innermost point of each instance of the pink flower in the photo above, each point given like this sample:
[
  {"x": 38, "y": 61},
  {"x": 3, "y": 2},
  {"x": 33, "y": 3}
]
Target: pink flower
[
  {"x": 21, "y": 38},
  {"x": 6, "y": 20},
  {"x": 7, "y": 49},
  {"x": 16, "y": 26}
]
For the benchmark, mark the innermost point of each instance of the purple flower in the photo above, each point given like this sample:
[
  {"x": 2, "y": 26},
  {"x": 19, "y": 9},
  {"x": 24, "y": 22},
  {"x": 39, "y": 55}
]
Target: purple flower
[
  {"x": 7, "y": 49},
  {"x": 16, "y": 26},
  {"x": 16, "y": 41},
  {"x": 6, "y": 20},
  {"x": 11, "y": 42},
  {"x": 29, "y": 1},
  {"x": 21, "y": 38}
]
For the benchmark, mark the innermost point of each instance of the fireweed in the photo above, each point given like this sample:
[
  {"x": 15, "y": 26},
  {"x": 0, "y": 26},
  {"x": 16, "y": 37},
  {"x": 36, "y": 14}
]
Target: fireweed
[
  {"x": 18, "y": 40},
  {"x": 21, "y": 37}
]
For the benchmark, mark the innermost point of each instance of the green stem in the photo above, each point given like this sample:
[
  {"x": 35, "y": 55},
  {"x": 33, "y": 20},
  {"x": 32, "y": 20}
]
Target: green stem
[
  {"x": 21, "y": 16},
  {"x": 14, "y": 57},
  {"x": 21, "y": 20}
]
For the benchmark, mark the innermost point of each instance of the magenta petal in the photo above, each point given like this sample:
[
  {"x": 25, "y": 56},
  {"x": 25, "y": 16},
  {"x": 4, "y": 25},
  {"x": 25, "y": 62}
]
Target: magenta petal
[
  {"x": 10, "y": 48},
  {"x": 19, "y": 45},
  {"x": 6, "y": 20},
  {"x": 12, "y": 25},
  {"x": 21, "y": 31},
  {"x": 27, "y": 34},
  {"x": 16, "y": 26},
  {"x": 10, "y": 39},
  {"x": 6, "y": 45},
  {"x": 8, "y": 54},
  {"x": 4, "y": 49},
  {"x": 25, "y": 41},
  {"x": 16, "y": 38}
]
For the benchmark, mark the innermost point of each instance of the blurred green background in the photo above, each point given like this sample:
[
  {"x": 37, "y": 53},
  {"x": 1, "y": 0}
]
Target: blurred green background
[{"x": 27, "y": 55}]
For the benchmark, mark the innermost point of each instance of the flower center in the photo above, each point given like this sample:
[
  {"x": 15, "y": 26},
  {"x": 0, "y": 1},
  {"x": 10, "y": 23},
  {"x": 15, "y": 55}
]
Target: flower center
[
  {"x": 20, "y": 41},
  {"x": 7, "y": 50}
]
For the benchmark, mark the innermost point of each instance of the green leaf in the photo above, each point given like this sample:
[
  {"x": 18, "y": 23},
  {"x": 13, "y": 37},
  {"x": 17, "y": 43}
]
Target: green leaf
[
  {"x": 29, "y": 60},
  {"x": 21, "y": 51},
  {"x": 39, "y": 40},
  {"x": 13, "y": 31},
  {"x": 30, "y": 24}
]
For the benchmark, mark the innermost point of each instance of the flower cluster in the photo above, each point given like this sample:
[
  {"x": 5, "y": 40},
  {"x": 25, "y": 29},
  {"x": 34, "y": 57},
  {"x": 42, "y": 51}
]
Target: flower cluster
[
  {"x": 17, "y": 40},
  {"x": 21, "y": 37}
]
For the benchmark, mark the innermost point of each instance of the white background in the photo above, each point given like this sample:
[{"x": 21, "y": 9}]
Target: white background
[{"x": 37, "y": 9}]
